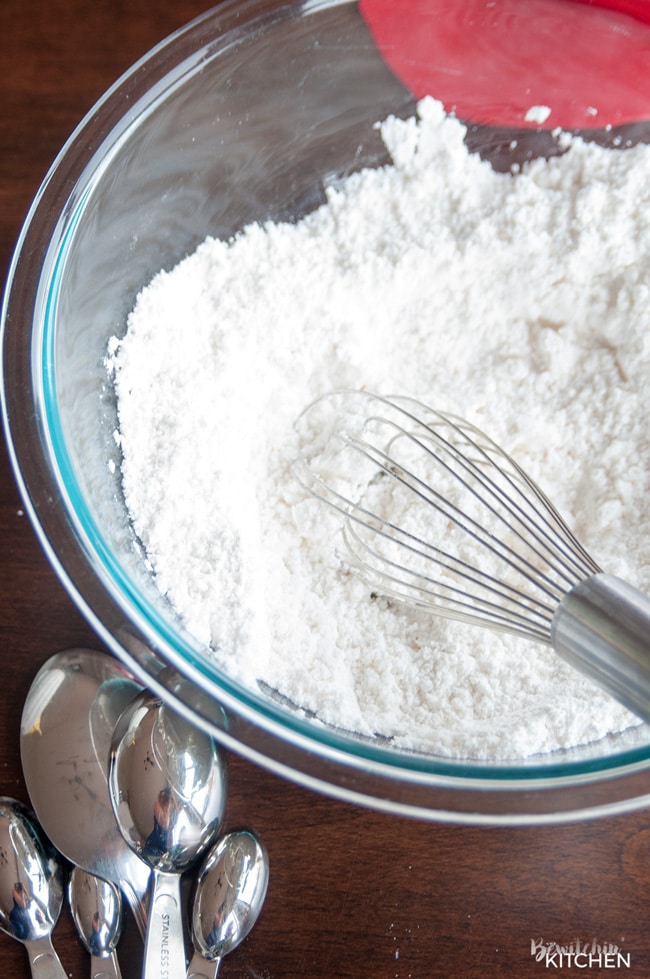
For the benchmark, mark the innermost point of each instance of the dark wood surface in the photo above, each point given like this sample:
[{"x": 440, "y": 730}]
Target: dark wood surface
[{"x": 353, "y": 893}]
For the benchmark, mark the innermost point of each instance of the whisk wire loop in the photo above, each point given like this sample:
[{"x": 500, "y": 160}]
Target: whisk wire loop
[
  {"x": 436, "y": 515},
  {"x": 558, "y": 546},
  {"x": 450, "y": 511},
  {"x": 422, "y": 463},
  {"x": 478, "y": 485},
  {"x": 466, "y": 606}
]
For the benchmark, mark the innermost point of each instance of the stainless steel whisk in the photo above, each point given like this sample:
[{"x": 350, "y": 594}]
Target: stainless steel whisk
[{"x": 437, "y": 515}]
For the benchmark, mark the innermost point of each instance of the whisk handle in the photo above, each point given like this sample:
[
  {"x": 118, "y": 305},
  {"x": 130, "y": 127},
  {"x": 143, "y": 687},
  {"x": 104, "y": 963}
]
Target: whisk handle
[{"x": 602, "y": 628}]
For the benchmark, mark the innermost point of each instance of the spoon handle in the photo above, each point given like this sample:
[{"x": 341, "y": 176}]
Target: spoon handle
[
  {"x": 164, "y": 950},
  {"x": 202, "y": 968},
  {"x": 106, "y": 967},
  {"x": 43, "y": 960},
  {"x": 138, "y": 904}
]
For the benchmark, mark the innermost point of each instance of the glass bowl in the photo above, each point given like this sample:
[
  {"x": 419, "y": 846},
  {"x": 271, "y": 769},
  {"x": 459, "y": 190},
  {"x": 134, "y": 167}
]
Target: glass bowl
[{"x": 242, "y": 115}]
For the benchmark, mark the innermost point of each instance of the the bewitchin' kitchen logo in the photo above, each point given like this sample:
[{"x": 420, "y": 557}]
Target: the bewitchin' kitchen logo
[{"x": 579, "y": 955}]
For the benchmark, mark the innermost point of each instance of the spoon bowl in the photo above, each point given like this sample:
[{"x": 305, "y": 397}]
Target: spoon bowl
[
  {"x": 31, "y": 888},
  {"x": 168, "y": 788},
  {"x": 230, "y": 891},
  {"x": 96, "y": 908},
  {"x": 68, "y": 719}
]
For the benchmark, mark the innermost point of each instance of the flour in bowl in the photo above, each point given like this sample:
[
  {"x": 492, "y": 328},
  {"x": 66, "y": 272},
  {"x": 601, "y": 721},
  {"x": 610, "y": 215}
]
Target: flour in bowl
[{"x": 519, "y": 301}]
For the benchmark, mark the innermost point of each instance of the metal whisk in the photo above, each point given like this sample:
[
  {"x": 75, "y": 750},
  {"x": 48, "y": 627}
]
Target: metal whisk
[{"x": 435, "y": 514}]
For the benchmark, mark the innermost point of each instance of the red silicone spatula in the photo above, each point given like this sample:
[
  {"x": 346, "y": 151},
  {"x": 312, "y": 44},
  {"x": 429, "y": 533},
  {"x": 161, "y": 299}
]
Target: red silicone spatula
[{"x": 508, "y": 62}]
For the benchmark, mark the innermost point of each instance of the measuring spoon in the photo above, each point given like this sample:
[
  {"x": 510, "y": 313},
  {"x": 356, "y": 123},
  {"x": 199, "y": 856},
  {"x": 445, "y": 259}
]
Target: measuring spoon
[
  {"x": 96, "y": 907},
  {"x": 167, "y": 786},
  {"x": 31, "y": 888},
  {"x": 67, "y": 724},
  {"x": 230, "y": 891}
]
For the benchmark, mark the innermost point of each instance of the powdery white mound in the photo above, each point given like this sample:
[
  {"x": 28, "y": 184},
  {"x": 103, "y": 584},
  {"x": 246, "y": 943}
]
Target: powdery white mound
[{"x": 518, "y": 301}]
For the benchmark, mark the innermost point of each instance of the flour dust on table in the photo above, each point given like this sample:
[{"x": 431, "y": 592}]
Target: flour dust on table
[{"x": 518, "y": 300}]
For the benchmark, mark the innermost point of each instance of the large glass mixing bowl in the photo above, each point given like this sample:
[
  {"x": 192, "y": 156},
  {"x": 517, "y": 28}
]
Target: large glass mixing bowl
[{"x": 242, "y": 115}]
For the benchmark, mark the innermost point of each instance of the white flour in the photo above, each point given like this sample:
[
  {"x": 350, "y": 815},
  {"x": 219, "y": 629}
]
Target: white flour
[{"x": 520, "y": 302}]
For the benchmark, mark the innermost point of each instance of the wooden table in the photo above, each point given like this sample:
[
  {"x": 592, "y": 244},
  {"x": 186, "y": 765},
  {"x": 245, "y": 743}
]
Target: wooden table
[{"x": 353, "y": 893}]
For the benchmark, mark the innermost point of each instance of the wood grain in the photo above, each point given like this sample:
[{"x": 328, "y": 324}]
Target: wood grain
[{"x": 353, "y": 893}]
